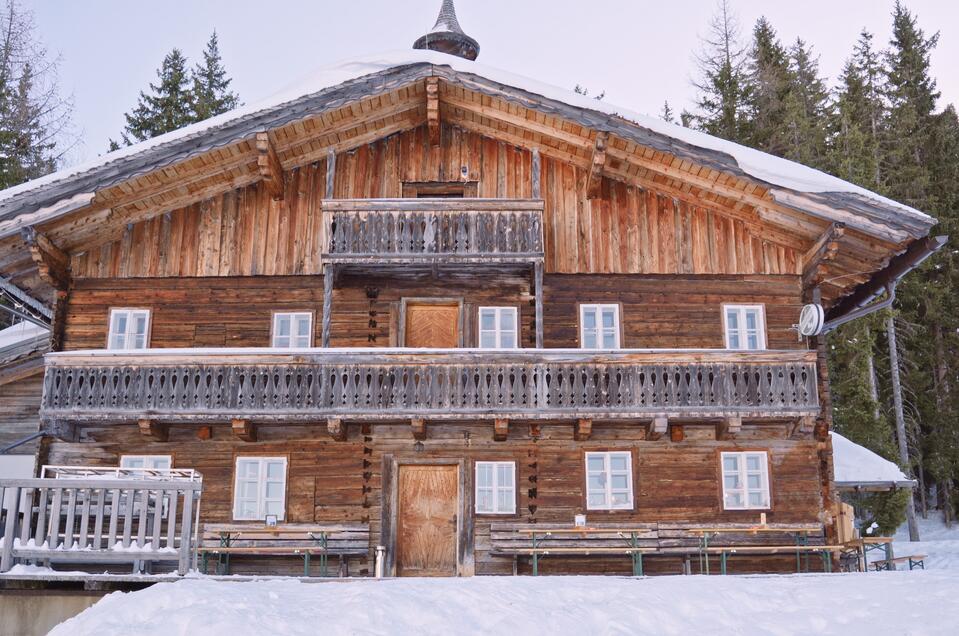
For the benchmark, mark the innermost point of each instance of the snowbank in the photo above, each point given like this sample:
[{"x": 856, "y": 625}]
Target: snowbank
[
  {"x": 857, "y": 465},
  {"x": 847, "y": 605}
]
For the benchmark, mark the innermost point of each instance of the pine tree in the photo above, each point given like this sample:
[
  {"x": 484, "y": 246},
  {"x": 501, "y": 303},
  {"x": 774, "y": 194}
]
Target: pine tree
[
  {"x": 806, "y": 108},
  {"x": 167, "y": 107},
  {"x": 769, "y": 84},
  {"x": 667, "y": 113},
  {"x": 211, "y": 86},
  {"x": 722, "y": 83}
]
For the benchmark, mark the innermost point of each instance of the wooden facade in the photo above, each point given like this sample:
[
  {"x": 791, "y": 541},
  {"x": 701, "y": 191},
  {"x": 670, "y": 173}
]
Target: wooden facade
[{"x": 391, "y": 221}]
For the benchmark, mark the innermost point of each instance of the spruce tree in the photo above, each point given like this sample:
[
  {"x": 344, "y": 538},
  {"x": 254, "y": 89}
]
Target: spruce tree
[
  {"x": 805, "y": 109},
  {"x": 167, "y": 107},
  {"x": 722, "y": 81},
  {"x": 769, "y": 84},
  {"x": 211, "y": 86}
]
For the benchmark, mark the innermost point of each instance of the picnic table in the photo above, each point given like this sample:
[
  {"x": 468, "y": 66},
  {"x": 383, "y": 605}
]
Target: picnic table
[
  {"x": 801, "y": 546},
  {"x": 864, "y": 545},
  {"x": 630, "y": 536}
]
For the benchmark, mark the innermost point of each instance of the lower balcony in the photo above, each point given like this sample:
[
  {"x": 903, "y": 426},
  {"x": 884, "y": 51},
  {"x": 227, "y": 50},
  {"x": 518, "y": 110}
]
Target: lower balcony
[{"x": 266, "y": 385}]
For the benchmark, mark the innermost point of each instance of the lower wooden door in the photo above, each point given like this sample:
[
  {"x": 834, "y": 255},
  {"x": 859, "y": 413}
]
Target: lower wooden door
[
  {"x": 432, "y": 324},
  {"x": 426, "y": 520}
]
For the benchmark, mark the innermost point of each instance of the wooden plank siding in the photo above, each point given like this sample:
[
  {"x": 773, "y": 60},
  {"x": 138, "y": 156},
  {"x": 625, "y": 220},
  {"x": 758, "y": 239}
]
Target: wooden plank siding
[
  {"x": 341, "y": 482},
  {"x": 245, "y": 232},
  {"x": 18, "y": 412},
  {"x": 236, "y": 311}
]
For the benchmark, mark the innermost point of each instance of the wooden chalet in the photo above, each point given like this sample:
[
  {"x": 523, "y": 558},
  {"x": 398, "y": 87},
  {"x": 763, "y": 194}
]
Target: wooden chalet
[{"x": 432, "y": 312}]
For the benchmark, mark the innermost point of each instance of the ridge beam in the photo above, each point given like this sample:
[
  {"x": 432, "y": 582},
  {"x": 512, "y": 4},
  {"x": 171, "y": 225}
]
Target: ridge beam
[
  {"x": 594, "y": 182},
  {"x": 268, "y": 163}
]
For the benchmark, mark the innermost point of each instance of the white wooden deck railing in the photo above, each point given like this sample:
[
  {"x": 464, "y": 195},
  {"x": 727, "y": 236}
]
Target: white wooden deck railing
[
  {"x": 98, "y": 520},
  {"x": 433, "y": 230},
  {"x": 272, "y": 385}
]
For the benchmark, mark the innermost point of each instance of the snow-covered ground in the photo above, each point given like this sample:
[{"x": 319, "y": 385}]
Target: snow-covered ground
[
  {"x": 939, "y": 543},
  {"x": 842, "y": 604}
]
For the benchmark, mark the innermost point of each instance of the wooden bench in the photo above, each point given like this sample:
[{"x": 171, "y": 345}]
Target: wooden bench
[
  {"x": 302, "y": 540},
  {"x": 915, "y": 561},
  {"x": 537, "y": 540}
]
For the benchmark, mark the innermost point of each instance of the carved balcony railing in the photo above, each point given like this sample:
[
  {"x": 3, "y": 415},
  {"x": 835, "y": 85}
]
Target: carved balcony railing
[
  {"x": 379, "y": 231},
  {"x": 180, "y": 385}
]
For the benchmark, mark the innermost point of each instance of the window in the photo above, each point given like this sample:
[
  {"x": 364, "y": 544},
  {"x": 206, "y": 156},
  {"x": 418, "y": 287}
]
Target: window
[
  {"x": 745, "y": 481},
  {"x": 129, "y": 329},
  {"x": 745, "y": 327},
  {"x": 293, "y": 330},
  {"x": 497, "y": 328},
  {"x": 599, "y": 326},
  {"x": 147, "y": 462},
  {"x": 609, "y": 481},
  {"x": 496, "y": 488},
  {"x": 260, "y": 488}
]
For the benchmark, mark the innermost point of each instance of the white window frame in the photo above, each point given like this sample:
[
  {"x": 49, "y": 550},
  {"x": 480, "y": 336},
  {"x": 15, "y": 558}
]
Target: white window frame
[
  {"x": 294, "y": 316},
  {"x": 264, "y": 461},
  {"x": 498, "y": 330},
  {"x": 741, "y": 330},
  {"x": 743, "y": 475},
  {"x": 599, "y": 308},
  {"x": 149, "y": 461},
  {"x": 495, "y": 488},
  {"x": 129, "y": 335},
  {"x": 608, "y": 490}
]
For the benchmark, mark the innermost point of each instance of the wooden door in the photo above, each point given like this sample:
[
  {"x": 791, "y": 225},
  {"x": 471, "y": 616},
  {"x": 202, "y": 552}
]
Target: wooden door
[
  {"x": 426, "y": 520},
  {"x": 435, "y": 325}
]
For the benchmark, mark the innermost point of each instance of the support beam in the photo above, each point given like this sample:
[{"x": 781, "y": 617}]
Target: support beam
[
  {"x": 268, "y": 163},
  {"x": 53, "y": 264},
  {"x": 820, "y": 254},
  {"x": 583, "y": 430},
  {"x": 336, "y": 428},
  {"x": 729, "y": 428},
  {"x": 244, "y": 430},
  {"x": 537, "y": 175},
  {"x": 154, "y": 431},
  {"x": 538, "y": 292},
  {"x": 327, "y": 305},
  {"x": 658, "y": 427},
  {"x": 418, "y": 426},
  {"x": 433, "y": 109},
  {"x": 594, "y": 182},
  {"x": 500, "y": 430}
]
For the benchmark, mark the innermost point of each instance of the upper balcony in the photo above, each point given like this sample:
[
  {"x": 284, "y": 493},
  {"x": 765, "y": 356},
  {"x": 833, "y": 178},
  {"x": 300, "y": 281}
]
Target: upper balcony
[
  {"x": 433, "y": 231},
  {"x": 218, "y": 385}
]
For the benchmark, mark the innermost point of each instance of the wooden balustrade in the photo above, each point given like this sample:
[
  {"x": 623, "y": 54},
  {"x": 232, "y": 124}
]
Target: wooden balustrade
[
  {"x": 97, "y": 520},
  {"x": 433, "y": 230},
  {"x": 308, "y": 385}
]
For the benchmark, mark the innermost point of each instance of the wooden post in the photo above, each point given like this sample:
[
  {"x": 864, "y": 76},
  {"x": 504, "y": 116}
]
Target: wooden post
[
  {"x": 583, "y": 430},
  {"x": 330, "y": 172},
  {"x": 538, "y": 291},
  {"x": 500, "y": 430},
  {"x": 186, "y": 533},
  {"x": 433, "y": 109},
  {"x": 327, "y": 305},
  {"x": 537, "y": 189},
  {"x": 594, "y": 179}
]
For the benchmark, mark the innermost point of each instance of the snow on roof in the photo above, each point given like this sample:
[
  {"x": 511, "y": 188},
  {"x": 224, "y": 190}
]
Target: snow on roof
[
  {"x": 21, "y": 332},
  {"x": 856, "y": 465},
  {"x": 765, "y": 167}
]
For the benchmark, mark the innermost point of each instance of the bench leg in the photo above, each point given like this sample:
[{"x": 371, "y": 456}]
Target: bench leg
[
  {"x": 918, "y": 563},
  {"x": 535, "y": 564},
  {"x": 306, "y": 563},
  {"x": 826, "y": 561},
  {"x": 344, "y": 567},
  {"x": 722, "y": 562},
  {"x": 515, "y": 564},
  {"x": 637, "y": 563}
]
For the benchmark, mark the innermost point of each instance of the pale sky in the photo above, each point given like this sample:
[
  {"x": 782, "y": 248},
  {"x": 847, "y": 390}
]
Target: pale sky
[{"x": 639, "y": 51}]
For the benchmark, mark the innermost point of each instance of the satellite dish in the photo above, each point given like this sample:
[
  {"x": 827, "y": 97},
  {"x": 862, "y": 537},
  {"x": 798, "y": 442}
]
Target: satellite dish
[{"x": 811, "y": 320}]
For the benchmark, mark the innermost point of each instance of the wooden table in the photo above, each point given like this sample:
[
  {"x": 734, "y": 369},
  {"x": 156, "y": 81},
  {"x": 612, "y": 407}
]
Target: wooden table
[
  {"x": 632, "y": 548},
  {"x": 801, "y": 534}
]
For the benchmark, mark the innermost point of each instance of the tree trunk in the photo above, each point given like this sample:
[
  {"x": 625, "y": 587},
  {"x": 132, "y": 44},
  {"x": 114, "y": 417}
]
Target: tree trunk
[
  {"x": 873, "y": 383},
  {"x": 900, "y": 420}
]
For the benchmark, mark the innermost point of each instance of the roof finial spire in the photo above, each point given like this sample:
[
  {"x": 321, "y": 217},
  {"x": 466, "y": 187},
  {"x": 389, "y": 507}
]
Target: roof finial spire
[{"x": 447, "y": 36}]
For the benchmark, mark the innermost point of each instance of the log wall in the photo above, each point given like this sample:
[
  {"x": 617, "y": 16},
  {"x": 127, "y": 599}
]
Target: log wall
[
  {"x": 629, "y": 230},
  {"x": 19, "y": 401}
]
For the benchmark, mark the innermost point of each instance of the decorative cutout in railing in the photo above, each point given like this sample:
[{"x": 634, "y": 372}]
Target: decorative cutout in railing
[
  {"x": 455, "y": 230},
  {"x": 468, "y": 384}
]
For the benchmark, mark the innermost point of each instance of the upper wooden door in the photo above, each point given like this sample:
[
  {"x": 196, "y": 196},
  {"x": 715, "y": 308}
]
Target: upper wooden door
[
  {"x": 426, "y": 520},
  {"x": 432, "y": 325}
]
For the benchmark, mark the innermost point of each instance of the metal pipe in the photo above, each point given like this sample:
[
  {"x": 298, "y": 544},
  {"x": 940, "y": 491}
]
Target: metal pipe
[
  {"x": 21, "y": 442},
  {"x": 863, "y": 311},
  {"x": 380, "y": 566}
]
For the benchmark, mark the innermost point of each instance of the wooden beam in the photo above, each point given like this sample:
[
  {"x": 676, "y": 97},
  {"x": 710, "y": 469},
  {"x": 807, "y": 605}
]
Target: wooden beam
[
  {"x": 822, "y": 252},
  {"x": 658, "y": 427},
  {"x": 433, "y": 109},
  {"x": 336, "y": 428},
  {"x": 330, "y": 173},
  {"x": 244, "y": 430},
  {"x": 268, "y": 163},
  {"x": 154, "y": 431},
  {"x": 729, "y": 427},
  {"x": 538, "y": 295},
  {"x": 328, "y": 275},
  {"x": 594, "y": 181},
  {"x": 418, "y": 426},
  {"x": 537, "y": 175},
  {"x": 583, "y": 430},
  {"x": 500, "y": 430},
  {"x": 677, "y": 433},
  {"x": 53, "y": 264},
  {"x": 204, "y": 433}
]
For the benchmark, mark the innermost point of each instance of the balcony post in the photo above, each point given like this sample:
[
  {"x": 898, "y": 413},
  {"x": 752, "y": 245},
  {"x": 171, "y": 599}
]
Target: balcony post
[
  {"x": 327, "y": 305},
  {"x": 538, "y": 291}
]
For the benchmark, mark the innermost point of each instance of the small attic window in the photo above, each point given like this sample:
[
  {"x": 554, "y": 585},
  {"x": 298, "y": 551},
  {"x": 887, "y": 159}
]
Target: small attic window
[{"x": 439, "y": 189}]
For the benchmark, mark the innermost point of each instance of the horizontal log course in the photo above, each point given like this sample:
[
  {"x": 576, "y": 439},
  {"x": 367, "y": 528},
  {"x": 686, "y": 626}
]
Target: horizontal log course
[
  {"x": 433, "y": 230},
  {"x": 310, "y": 385}
]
